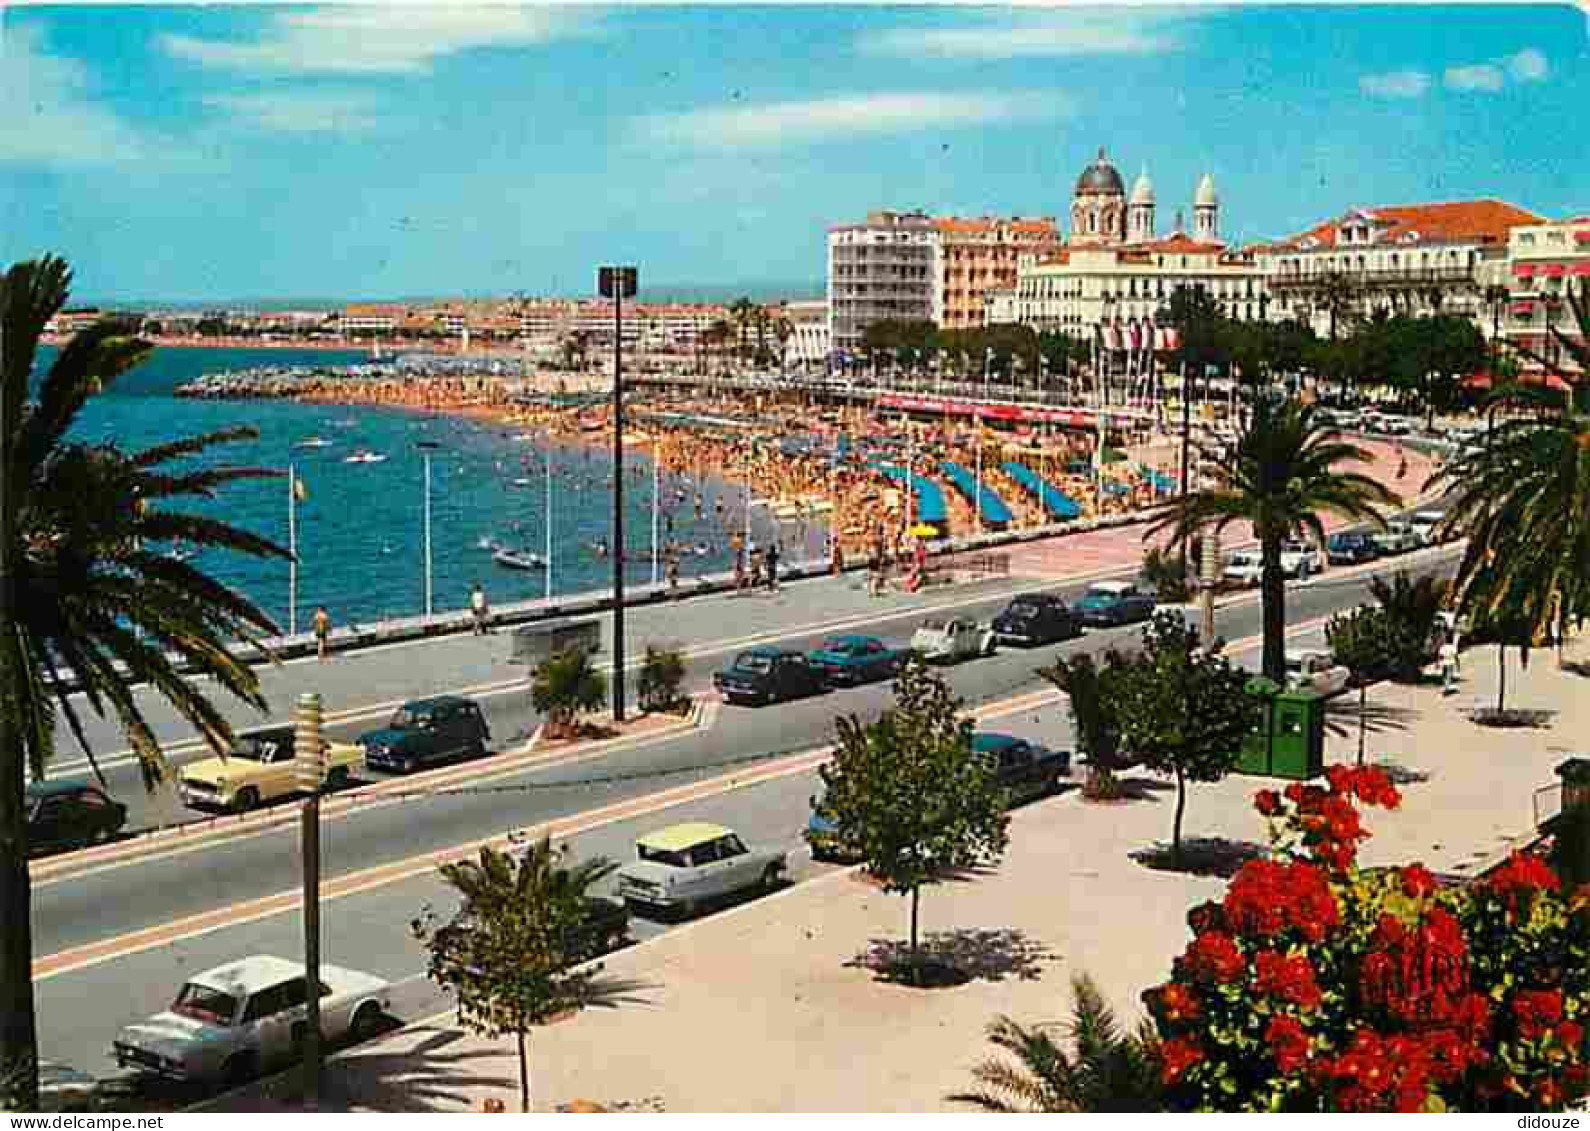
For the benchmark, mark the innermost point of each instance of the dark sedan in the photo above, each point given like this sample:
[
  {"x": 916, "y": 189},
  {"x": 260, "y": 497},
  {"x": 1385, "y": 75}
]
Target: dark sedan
[
  {"x": 1351, "y": 548},
  {"x": 765, "y": 675}
]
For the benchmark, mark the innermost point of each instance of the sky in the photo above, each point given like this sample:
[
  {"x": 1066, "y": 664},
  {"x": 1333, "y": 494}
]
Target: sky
[{"x": 265, "y": 152}]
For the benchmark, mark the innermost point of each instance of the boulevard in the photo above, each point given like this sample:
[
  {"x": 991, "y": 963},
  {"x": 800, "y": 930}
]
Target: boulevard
[{"x": 113, "y": 939}]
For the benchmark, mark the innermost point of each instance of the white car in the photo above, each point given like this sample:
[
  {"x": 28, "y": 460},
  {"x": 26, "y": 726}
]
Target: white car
[
  {"x": 684, "y": 867},
  {"x": 1315, "y": 671},
  {"x": 1245, "y": 568},
  {"x": 1397, "y": 538},
  {"x": 952, "y": 639},
  {"x": 1298, "y": 559},
  {"x": 228, "y": 1023},
  {"x": 1424, "y": 523}
]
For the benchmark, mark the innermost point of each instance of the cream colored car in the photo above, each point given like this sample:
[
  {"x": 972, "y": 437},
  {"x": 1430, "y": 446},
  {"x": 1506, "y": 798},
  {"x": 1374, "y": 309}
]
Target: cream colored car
[{"x": 258, "y": 769}]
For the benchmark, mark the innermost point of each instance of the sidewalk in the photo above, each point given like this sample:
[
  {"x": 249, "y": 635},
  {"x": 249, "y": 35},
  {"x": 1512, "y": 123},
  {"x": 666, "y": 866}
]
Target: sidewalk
[{"x": 766, "y": 1007}]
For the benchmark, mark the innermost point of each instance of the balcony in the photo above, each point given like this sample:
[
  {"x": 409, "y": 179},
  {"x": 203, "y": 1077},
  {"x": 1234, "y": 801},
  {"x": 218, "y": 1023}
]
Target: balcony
[{"x": 1392, "y": 277}]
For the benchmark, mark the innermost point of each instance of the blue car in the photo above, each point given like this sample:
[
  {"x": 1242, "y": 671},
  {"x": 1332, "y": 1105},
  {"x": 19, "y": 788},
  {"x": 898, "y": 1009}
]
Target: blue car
[
  {"x": 849, "y": 661},
  {"x": 1108, "y": 604}
]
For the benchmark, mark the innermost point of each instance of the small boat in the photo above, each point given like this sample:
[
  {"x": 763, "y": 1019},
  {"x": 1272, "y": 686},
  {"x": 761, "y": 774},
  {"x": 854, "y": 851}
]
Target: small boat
[
  {"x": 313, "y": 442},
  {"x": 487, "y": 542},
  {"x": 182, "y": 553},
  {"x": 518, "y": 559},
  {"x": 364, "y": 455},
  {"x": 522, "y": 481},
  {"x": 523, "y": 437}
]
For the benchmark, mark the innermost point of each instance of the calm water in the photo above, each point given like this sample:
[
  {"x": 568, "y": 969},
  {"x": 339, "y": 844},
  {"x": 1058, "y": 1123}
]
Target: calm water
[{"x": 360, "y": 529}]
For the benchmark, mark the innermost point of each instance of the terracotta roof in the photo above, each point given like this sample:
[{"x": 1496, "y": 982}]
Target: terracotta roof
[
  {"x": 1487, "y": 220},
  {"x": 1180, "y": 242}
]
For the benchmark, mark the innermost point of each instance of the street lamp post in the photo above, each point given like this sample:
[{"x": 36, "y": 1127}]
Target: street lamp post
[
  {"x": 426, "y": 448},
  {"x": 548, "y": 516},
  {"x": 618, "y": 283},
  {"x": 292, "y": 550}
]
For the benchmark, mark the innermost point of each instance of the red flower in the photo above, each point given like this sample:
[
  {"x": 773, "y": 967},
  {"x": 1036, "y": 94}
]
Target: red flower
[
  {"x": 1213, "y": 956},
  {"x": 1288, "y": 1042},
  {"x": 1177, "y": 1055},
  {"x": 1267, "y": 802},
  {"x": 1536, "y": 1011},
  {"x": 1268, "y": 897},
  {"x": 1207, "y": 916},
  {"x": 1570, "y": 1034},
  {"x": 1288, "y": 977},
  {"x": 1418, "y": 881},
  {"x": 1521, "y": 878},
  {"x": 1178, "y": 1002}
]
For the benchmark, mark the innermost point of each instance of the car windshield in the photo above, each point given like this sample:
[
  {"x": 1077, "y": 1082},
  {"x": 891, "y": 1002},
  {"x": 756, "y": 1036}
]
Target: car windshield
[
  {"x": 406, "y": 719},
  {"x": 665, "y": 856},
  {"x": 257, "y": 748},
  {"x": 838, "y": 644},
  {"x": 1101, "y": 597},
  {"x": 1022, "y": 610},
  {"x": 204, "y": 1003},
  {"x": 933, "y": 624},
  {"x": 753, "y": 662}
]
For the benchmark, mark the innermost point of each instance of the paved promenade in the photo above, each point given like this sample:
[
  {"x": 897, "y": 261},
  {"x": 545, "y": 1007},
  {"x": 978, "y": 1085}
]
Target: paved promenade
[{"x": 768, "y": 1008}]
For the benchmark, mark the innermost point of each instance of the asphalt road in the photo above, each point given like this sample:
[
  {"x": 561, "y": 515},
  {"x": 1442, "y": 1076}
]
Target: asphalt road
[{"x": 83, "y": 1005}]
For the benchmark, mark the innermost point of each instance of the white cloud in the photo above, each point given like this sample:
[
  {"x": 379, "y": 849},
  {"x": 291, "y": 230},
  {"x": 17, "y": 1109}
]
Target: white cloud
[
  {"x": 1059, "y": 35},
  {"x": 1395, "y": 84},
  {"x": 844, "y": 116},
  {"x": 1479, "y": 76},
  {"x": 1528, "y": 65},
  {"x": 300, "y": 111},
  {"x": 377, "y": 39},
  {"x": 48, "y": 113}
]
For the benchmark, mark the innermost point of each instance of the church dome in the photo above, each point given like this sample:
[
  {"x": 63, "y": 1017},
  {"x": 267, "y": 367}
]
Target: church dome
[
  {"x": 1206, "y": 197},
  {"x": 1143, "y": 190},
  {"x": 1101, "y": 178}
]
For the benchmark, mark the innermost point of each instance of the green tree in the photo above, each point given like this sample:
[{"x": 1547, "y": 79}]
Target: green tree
[
  {"x": 662, "y": 674},
  {"x": 1523, "y": 500},
  {"x": 510, "y": 954},
  {"x": 1090, "y": 699},
  {"x": 1166, "y": 574},
  {"x": 565, "y": 687},
  {"x": 1364, "y": 642},
  {"x": 1105, "y": 1071},
  {"x": 1183, "y": 710},
  {"x": 1284, "y": 471},
  {"x": 1411, "y": 606},
  {"x": 90, "y": 595},
  {"x": 910, "y": 794}
]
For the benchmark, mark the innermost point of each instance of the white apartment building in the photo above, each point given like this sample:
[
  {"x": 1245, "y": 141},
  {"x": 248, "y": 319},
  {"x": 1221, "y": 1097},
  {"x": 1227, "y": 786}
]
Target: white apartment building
[
  {"x": 880, "y": 270},
  {"x": 1411, "y": 259},
  {"x": 1544, "y": 261},
  {"x": 809, "y": 343}
]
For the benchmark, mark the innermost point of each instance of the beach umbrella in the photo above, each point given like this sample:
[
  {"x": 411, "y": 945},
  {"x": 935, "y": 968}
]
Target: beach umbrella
[{"x": 923, "y": 530}]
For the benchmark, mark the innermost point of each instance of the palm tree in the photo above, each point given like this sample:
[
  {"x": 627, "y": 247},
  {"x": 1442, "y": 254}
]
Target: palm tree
[
  {"x": 742, "y": 313},
  {"x": 1105, "y": 1070},
  {"x": 1523, "y": 501},
  {"x": 1283, "y": 472},
  {"x": 565, "y": 687},
  {"x": 1411, "y": 607},
  {"x": 89, "y": 600},
  {"x": 718, "y": 335},
  {"x": 1083, "y": 683}
]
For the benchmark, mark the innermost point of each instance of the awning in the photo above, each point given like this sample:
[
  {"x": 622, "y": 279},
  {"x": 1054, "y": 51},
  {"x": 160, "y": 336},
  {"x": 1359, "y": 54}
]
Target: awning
[
  {"x": 1582, "y": 236},
  {"x": 1523, "y": 308},
  {"x": 1523, "y": 270},
  {"x": 1555, "y": 269},
  {"x": 1580, "y": 269}
]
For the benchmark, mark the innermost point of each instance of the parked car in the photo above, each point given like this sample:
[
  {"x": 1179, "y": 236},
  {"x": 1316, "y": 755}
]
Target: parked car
[
  {"x": 848, "y": 661},
  {"x": 1036, "y": 618},
  {"x": 1316, "y": 671},
  {"x": 767, "y": 674},
  {"x": 1298, "y": 559},
  {"x": 1024, "y": 769},
  {"x": 1350, "y": 547},
  {"x": 685, "y": 867},
  {"x": 1424, "y": 524},
  {"x": 1244, "y": 568},
  {"x": 229, "y": 1023},
  {"x": 948, "y": 639},
  {"x": 426, "y": 732},
  {"x": 1398, "y": 538},
  {"x": 1110, "y": 603},
  {"x": 69, "y": 813},
  {"x": 258, "y": 768}
]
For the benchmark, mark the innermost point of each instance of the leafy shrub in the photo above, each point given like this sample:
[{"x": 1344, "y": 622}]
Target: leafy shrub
[
  {"x": 1162, "y": 570},
  {"x": 662, "y": 674}
]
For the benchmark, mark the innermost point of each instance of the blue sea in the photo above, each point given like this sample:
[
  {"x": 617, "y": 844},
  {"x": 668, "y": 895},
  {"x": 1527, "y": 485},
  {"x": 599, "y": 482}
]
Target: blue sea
[{"x": 360, "y": 526}]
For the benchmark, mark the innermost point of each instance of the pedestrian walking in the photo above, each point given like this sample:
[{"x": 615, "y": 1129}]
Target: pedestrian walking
[
  {"x": 737, "y": 549},
  {"x": 1448, "y": 656},
  {"x": 836, "y": 556},
  {"x": 756, "y": 567},
  {"x": 322, "y": 623},
  {"x": 673, "y": 570},
  {"x": 772, "y": 568},
  {"x": 477, "y": 606}
]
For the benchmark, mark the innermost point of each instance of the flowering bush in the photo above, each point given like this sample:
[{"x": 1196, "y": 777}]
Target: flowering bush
[{"x": 1315, "y": 986}]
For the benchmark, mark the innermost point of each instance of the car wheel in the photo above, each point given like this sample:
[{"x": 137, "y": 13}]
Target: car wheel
[
  {"x": 988, "y": 649},
  {"x": 407, "y": 766},
  {"x": 770, "y": 876},
  {"x": 478, "y": 750},
  {"x": 337, "y": 778},
  {"x": 366, "y": 1022},
  {"x": 247, "y": 800},
  {"x": 240, "y": 1069}
]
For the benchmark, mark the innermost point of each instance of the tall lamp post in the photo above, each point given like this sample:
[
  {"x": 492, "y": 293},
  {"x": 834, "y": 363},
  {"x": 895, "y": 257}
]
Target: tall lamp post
[
  {"x": 618, "y": 283},
  {"x": 426, "y": 448}
]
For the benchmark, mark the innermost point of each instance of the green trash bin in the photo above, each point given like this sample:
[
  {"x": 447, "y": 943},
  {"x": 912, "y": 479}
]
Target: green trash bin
[
  {"x": 1297, "y": 735},
  {"x": 1255, "y": 755}
]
